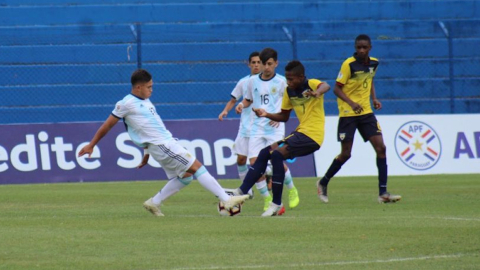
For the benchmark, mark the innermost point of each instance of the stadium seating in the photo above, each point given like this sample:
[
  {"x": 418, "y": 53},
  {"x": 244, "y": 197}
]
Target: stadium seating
[{"x": 71, "y": 62}]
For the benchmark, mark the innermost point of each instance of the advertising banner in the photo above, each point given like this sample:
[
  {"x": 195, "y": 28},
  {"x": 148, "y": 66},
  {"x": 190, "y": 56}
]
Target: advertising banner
[
  {"x": 416, "y": 144},
  {"x": 45, "y": 153}
]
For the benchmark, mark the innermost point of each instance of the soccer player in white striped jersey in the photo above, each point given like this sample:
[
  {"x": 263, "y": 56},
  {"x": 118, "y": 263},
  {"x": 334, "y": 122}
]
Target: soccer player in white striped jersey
[
  {"x": 266, "y": 91},
  {"x": 240, "y": 148},
  {"x": 146, "y": 129}
]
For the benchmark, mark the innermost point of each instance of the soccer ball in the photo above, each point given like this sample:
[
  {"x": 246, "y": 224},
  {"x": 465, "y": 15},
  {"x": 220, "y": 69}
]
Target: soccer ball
[{"x": 235, "y": 210}]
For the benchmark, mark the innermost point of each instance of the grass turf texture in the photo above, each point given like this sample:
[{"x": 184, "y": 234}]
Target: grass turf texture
[{"x": 103, "y": 226}]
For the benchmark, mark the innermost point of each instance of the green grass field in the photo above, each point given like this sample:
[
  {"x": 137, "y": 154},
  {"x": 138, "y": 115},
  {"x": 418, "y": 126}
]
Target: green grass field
[{"x": 103, "y": 226}]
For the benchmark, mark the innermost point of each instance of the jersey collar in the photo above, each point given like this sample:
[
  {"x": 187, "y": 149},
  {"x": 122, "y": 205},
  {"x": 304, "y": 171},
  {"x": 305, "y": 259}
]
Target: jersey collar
[
  {"x": 260, "y": 76},
  {"x": 137, "y": 96},
  {"x": 302, "y": 86},
  {"x": 360, "y": 60}
]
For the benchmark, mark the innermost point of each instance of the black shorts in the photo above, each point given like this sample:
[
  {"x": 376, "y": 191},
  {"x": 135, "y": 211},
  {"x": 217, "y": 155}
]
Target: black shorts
[
  {"x": 367, "y": 125},
  {"x": 299, "y": 144}
]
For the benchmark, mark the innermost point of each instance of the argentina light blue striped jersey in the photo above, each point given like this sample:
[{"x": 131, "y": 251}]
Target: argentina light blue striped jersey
[
  {"x": 247, "y": 115},
  {"x": 265, "y": 94},
  {"x": 143, "y": 124}
]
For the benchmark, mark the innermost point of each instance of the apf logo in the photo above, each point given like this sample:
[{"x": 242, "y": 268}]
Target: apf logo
[{"x": 418, "y": 145}]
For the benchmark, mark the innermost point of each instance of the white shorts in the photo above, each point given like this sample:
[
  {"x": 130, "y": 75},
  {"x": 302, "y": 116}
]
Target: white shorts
[
  {"x": 256, "y": 144},
  {"x": 240, "y": 146},
  {"x": 173, "y": 158}
]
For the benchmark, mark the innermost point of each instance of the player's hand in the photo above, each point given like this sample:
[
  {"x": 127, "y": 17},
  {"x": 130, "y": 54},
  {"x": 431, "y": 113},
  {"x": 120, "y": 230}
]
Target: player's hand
[
  {"x": 356, "y": 108},
  {"x": 87, "y": 149},
  {"x": 259, "y": 112},
  {"x": 222, "y": 115},
  {"x": 239, "y": 108},
  {"x": 274, "y": 124},
  {"x": 377, "y": 104},
  {"x": 310, "y": 93},
  {"x": 144, "y": 161}
]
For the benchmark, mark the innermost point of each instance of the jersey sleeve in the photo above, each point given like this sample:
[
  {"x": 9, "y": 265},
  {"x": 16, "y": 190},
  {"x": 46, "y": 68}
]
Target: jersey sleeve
[
  {"x": 237, "y": 92},
  {"x": 344, "y": 73},
  {"x": 121, "y": 109},
  {"x": 314, "y": 83},
  {"x": 247, "y": 89},
  {"x": 286, "y": 104},
  {"x": 284, "y": 86}
]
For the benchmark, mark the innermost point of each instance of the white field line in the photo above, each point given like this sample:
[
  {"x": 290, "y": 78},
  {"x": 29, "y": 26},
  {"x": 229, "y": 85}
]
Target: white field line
[
  {"x": 333, "y": 218},
  {"x": 259, "y": 217},
  {"x": 303, "y": 265}
]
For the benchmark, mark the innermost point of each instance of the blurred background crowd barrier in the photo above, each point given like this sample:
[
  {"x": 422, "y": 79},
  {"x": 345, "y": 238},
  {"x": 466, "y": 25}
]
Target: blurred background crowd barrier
[{"x": 71, "y": 61}]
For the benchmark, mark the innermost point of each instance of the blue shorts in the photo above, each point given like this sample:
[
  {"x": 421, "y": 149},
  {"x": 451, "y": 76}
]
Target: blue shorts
[
  {"x": 366, "y": 124},
  {"x": 299, "y": 144}
]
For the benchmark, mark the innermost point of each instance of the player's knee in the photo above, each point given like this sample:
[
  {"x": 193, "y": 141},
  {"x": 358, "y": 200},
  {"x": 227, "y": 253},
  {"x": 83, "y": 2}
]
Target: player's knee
[
  {"x": 381, "y": 150},
  {"x": 186, "y": 180},
  {"x": 344, "y": 156},
  {"x": 264, "y": 153},
  {"x": 241, "y": 160},
  {"x": 277, "y": 156}
]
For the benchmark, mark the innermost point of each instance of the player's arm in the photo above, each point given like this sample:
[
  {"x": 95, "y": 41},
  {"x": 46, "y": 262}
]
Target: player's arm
[
  {"x": 227, "y": 108},
  {"x": 322, "y": 88},
  {"x": 145, "y": 158},
  {"x": 376, "y": 103},
  {"x": 282, "y": 116},
  {"x": 245, "y": 103},
  {"x": 101, "y": 132},
  {"x": 338, "y": 91}
]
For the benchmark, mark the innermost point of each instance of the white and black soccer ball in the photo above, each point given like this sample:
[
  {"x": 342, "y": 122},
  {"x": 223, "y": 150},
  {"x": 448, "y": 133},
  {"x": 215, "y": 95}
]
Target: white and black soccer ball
[{"x": 235, "y": 210}]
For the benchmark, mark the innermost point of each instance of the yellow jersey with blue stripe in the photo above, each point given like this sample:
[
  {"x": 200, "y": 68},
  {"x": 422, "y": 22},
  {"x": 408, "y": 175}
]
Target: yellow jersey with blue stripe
[
  {"x": 309, "y": 110},
  {"x": 356, "y": 77}
]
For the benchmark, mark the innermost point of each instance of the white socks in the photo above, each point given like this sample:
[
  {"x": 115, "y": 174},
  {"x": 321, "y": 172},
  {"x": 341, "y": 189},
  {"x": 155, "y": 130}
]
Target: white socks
[
  {"x": 262, "y": 188},
  {"x": 209, "y": 183},
  {"x": 173, "y": 186},
  {"x": 242, "y": 171},
  {"x": 288, "y": 180}
]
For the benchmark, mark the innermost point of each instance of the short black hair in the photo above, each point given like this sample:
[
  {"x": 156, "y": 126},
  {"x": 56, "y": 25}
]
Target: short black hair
[
  {"x": 268, "y": 53},
  {"x": 296, "y": 67},
  {"x": 253, "y": 54},
  {"x": 363, "y": 37},
  {"x": 140, "y": 76}
]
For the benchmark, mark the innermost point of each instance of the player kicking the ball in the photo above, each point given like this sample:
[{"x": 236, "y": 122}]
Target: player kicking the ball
[
  {"x": 146, "y": 129},
  {"x": 305, "y": 96},
  {"x": 266, "y": 91}
]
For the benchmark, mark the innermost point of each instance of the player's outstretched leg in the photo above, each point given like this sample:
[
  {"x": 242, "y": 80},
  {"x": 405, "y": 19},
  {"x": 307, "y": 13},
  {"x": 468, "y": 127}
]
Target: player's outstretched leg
[
  {"x": 173, "y": 186},
  {"x": 323, "y": 183},
  {"x": 256, "y": 170}
]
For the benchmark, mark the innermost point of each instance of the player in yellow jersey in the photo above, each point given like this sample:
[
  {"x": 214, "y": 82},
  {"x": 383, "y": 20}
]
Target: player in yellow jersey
[
  {"x": 305, "y": 96},
  {"x": 354, "y": 88}
]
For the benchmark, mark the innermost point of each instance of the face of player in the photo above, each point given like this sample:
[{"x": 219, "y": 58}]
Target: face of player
[
  {"x": 269, "y": 69},
  {"x": 294, "y": 81},
  {"x": 143, "y": 90},
  {"x": 362, "y": 47},
  {"x": 255, "y": 65}
]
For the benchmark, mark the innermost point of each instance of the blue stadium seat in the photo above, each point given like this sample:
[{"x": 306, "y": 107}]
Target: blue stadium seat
[{"x": 74, "y": 64}]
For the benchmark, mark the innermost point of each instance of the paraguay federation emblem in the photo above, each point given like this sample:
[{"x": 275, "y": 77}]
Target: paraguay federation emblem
[{"x": 418, "y": 145}]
